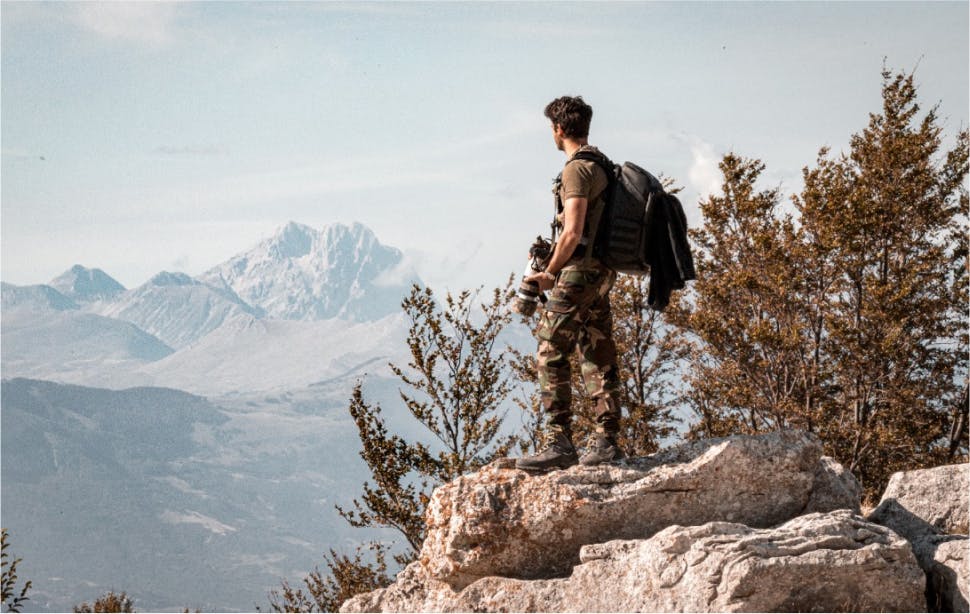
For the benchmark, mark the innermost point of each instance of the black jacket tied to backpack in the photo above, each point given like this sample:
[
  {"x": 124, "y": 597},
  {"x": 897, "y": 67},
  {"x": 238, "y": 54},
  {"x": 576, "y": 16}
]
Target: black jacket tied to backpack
[{"x": 668, "y": 250}]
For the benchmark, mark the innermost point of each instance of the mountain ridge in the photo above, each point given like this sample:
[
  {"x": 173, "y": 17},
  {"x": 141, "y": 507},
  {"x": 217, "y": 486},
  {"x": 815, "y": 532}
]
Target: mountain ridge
[
  {"x": 300, "y": 273},
  {"x": 86, "y": 285},
  {"x": 339, "y": 288}
]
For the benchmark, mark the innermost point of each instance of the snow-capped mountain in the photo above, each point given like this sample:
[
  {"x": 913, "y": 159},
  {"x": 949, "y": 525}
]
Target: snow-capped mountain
[
  {"x": 317, "y": 305},
  {"x": 189, "y": 501},
  {"x": 304, "y": 274},
  {"x": 86, "y": 285},
  {"x": 177, "y": 309}
]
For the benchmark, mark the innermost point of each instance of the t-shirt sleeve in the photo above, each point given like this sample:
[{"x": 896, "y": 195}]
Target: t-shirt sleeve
[{"x": 577, "y": 180}]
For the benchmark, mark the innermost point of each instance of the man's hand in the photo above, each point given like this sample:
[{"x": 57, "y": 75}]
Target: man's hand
[{"x": 545, "y": 279}]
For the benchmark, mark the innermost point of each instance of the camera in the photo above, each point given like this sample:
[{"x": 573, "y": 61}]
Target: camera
[{"x": 528, "y": 295}]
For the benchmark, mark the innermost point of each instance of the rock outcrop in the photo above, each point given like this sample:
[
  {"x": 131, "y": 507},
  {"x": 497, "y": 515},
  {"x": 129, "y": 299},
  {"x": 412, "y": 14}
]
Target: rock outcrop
[
  {"x": 504, "y": 522},
  {"x": 929, "y": 508},
  {"x": 736, "y": 524},
  {"x": 820, "y": 562}
]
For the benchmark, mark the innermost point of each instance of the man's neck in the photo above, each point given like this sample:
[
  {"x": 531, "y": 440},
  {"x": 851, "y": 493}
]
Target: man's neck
[{"x": 571, "y": 146}]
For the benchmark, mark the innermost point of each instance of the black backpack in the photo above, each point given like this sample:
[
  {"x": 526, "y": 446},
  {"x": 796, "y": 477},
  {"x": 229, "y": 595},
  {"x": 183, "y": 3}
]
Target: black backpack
[{"x": 640, "y": 229}]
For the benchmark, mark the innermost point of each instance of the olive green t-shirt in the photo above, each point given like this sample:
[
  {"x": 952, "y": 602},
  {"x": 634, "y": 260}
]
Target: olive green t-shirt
[{"x": 584, "y": 179}]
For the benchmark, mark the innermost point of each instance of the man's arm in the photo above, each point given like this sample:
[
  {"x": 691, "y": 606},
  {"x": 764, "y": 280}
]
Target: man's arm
[{"x": 574, "y": 214}]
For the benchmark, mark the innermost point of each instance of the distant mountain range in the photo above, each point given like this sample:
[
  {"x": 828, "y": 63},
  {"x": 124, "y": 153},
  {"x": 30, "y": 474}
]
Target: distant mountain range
[
  {"x": 186, "y": 440},
  {"x": 340, "y": 282}
]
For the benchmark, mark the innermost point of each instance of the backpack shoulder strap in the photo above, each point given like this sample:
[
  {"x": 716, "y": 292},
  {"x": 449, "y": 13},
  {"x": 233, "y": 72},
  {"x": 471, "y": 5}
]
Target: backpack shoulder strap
[{"x": 596, "y": 213}]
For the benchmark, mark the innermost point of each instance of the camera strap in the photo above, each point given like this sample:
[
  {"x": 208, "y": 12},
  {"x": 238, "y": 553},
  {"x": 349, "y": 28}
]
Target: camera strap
[{"x": 556, "y": 209}]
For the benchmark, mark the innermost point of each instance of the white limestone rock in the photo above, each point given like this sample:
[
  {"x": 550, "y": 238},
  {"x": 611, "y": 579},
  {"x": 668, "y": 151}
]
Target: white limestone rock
[
  {"x": 504, "y": 522},
  {"x": 818, "y": 562}
]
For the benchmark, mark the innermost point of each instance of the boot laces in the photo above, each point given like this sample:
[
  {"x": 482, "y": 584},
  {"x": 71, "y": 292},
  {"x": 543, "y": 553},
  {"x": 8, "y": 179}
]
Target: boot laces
[{"x": 553, "y": 436}]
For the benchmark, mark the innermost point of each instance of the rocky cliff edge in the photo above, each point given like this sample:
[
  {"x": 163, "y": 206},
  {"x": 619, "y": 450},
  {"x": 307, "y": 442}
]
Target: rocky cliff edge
[{"x": 742, "y": 523}]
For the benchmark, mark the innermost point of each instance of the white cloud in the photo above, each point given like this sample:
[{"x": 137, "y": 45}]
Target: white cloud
[
  {"x": 703, "y": 174},
  {"x": 399, "y": 275},
  {"x": 149, "y": 23}
]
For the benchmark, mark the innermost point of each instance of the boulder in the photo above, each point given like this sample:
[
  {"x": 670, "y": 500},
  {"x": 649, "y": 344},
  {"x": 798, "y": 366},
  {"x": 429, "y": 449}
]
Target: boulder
[
  {"x": 929, "y": 507},
  {"x": 925, "y": 502},
  {"x": 835, "y": 487},
  {"x": 504, "y": 522},
  {"x": 818, "y": 562}
]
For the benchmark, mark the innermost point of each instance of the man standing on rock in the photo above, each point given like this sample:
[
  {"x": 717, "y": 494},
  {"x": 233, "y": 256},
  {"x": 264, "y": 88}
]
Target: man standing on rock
[{"x": 578, "y": 312}]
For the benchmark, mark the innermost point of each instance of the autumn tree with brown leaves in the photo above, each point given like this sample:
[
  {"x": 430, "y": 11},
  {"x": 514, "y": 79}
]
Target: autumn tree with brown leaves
[
  {"x": 891, "y": 215},
  {"x": 849, "y": 318},
  {"x": 751, "y": 349}
]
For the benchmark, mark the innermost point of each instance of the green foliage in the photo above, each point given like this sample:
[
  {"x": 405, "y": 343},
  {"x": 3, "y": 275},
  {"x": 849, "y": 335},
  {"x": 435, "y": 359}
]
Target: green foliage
[
  {"x": 849, "y": 318},
  {"x": 324, "y": 593},
  {"x": 12, "y": 599},
  {"x": 522, "y": 368},
  {"x": 455, "y": 385},
  {"x": 457, "y": 377},
  {"x": 393, "y": 500},
  {"x": 108, "y": 602}
]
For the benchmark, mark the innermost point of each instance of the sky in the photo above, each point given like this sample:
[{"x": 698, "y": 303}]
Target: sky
[{"x": 151, "y": 136}]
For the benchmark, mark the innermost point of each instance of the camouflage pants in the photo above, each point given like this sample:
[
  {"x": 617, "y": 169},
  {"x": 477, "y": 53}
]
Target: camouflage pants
[{"x": 578, "y": 316}]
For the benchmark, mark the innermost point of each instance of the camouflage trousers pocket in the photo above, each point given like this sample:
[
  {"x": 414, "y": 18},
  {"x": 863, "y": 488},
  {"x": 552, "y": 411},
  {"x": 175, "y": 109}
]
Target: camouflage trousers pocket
[{"x": 554, "y": 320}]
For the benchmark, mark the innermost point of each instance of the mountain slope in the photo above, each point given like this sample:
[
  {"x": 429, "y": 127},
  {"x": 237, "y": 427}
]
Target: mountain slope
[
  {"x": 78, "y": 346},
  {"x": 176, "y": 500},
  {"x": 177, "y": 309},
  {"x": 35, "y": 298},
  {"x": 303, "y": 274},
  {"x": 249, "y": 354}
]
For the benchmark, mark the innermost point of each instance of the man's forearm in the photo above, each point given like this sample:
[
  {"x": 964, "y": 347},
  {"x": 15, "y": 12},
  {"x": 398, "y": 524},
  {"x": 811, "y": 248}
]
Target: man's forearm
[{"x": 565, "y": 247}]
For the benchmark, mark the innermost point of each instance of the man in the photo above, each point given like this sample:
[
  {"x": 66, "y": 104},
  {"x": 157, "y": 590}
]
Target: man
[{"x": 577, "y": 313}]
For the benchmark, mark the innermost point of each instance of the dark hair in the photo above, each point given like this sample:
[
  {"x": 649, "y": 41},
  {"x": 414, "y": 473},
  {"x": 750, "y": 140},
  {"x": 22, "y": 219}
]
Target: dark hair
[{"x": 572, "y": 114}]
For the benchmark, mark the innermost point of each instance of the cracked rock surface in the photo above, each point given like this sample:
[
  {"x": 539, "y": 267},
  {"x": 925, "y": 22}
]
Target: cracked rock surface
[
  {"x": 823, "y": 562},
  {"x": 504, "y": 522}
]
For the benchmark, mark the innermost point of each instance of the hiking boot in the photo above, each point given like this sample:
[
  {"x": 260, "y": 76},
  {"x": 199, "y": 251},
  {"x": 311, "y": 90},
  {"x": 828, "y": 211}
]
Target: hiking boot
[
  {"x": 559, "y": 453},
  {"x": 602, "y": 448}
]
